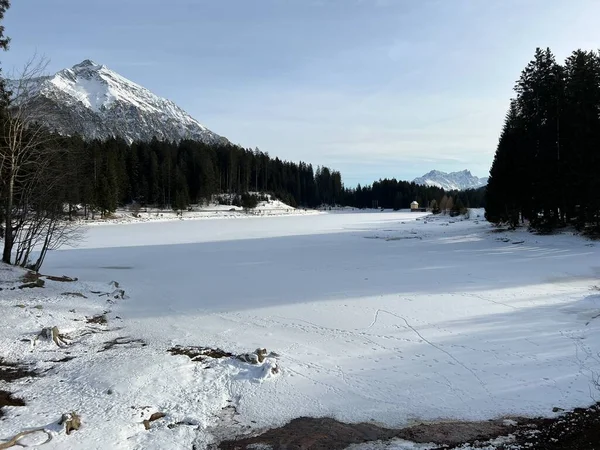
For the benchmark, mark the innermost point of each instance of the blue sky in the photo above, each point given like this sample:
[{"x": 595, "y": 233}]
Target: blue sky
[{"x": 373, "y": 88}]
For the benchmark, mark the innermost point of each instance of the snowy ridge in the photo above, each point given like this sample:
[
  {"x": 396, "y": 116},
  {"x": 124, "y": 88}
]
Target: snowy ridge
[
  {"x": 453, "y": 181},
  {"x": 98, "y": 103}
]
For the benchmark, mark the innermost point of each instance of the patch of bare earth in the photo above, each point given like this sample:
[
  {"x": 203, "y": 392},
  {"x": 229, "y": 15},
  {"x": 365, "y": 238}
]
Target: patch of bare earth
[
  {"x": 575, "y": 430},
  {"x": 310, "y": 433},
  {"x": 100, "y": 319},
  {"x": 31, "y": 280},
  {"x": 124, "y": 341},
  {"x": 10, "y": 372},
  {"x": 456, "y": 433},
  {"x": 200, "y": 353},
  {"x": 62, "y": 279},
  {"x": 325, "y": 433},
  {"x": 7, "y": 399}
]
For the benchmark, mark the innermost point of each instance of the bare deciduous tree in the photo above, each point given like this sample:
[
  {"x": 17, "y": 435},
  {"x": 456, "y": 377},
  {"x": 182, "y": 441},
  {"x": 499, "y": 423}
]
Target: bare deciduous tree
[
  {"x": 32, "y": 182},
  {"x": 444, "y": 204},
  {"x": 449, "y": 204},
  {"x": 47, "y": 225}
]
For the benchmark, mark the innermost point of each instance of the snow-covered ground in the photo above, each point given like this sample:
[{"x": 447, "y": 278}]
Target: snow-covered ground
[
  {"x": 385, "y": 317},
  {"x": 213, "y": 211}
]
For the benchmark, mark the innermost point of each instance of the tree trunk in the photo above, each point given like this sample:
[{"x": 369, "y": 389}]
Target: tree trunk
[
  {"x": 8, "y": 227},
  {"x": 8, "y": 241}
]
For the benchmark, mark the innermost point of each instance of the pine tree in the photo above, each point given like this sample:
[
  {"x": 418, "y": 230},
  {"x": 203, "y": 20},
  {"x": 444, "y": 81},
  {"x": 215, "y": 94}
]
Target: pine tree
[
  {"x": 582, "y": 135},
  {"x": 181, "y": 199},
  {"x": 397, "y": 201},
  {"x": 540, "y": 92},
  {"x": 458, "y": 208},
  {"x": 506, "y": 191},
  {"x": 4, "y": 43}
]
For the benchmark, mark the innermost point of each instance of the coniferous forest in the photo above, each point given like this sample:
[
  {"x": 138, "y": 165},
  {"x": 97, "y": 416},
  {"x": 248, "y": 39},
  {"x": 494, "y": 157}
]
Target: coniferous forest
[
  {"x": 113, "y": 173},
  {"x": 104, "y": 175},
  {"x": 545, "y": 171}
]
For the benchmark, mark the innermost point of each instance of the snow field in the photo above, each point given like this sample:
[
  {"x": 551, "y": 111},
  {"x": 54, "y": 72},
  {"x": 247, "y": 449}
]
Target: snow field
[
  {"x": 386, "y": 317},
  {"x": 269, "y": 208}
]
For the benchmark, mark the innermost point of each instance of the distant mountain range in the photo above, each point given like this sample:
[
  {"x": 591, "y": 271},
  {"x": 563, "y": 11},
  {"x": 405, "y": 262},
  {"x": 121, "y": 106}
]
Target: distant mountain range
[
  {"x": 95, "y": 102},
  {"x": 452, "y": 181}
]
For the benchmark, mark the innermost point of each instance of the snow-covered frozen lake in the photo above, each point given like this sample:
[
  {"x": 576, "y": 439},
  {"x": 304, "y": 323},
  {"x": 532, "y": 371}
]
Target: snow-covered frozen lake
[{"x": 380, "y": 316}]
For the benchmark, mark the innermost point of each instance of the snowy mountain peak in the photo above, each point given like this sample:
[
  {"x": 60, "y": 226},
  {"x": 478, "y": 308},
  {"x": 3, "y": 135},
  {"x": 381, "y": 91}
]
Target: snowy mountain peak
[
  {"x": 453, "y": 181},
  {"x": 98, "y": 87},
  {"x": 91, "y": 100},
  {"x": 85, "y": 64}
]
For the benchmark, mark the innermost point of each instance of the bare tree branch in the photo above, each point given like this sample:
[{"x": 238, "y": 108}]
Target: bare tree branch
[{"x": 32, "y": 180}]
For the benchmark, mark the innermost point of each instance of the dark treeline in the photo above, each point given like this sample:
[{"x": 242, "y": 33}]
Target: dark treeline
[
  {"x": 107, "y": 174},
  {"x": 112, "y": 173},
  {"x": 393, "y": 194},
  {"x": 546, "y": 166}
]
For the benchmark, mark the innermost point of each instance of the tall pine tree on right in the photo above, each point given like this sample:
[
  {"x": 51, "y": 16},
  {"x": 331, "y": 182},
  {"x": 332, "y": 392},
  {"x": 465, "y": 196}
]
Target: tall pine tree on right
[{"x": 545, "y": 168}]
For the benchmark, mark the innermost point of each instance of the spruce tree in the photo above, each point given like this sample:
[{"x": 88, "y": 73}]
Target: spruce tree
[
  {"x": 582, "y": 136},
  {"x": 507, "y": 192},
  {"x": 540, "y": 92},
  {"x": 4, "y": 42}
]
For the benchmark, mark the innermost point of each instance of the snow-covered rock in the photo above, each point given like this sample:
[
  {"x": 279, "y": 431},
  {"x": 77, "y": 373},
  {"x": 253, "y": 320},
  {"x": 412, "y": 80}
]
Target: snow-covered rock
[
  {"x": 91, "y": 100},
  {"x": 453, "y": 181}
]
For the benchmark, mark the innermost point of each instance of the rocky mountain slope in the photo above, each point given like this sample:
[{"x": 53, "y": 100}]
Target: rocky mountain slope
[
  {"x": 459, "y": 181},
  {"x": 91, "y": 100}
]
